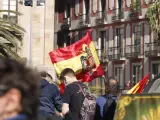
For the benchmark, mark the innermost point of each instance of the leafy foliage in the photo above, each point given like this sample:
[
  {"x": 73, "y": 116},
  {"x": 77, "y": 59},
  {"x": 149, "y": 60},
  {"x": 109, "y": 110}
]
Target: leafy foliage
[
  {"x": 136, "y": 5},
  {"x": 11, "y": 35},
  {"x": 153, "y": 18}
]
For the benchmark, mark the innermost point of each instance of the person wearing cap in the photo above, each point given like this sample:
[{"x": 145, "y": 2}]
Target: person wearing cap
[{"x": 50, "y": 98}]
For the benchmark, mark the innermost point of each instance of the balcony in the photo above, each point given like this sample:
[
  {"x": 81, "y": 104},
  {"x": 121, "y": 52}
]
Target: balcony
[
  {"x": 101, "y": 17},
  {"x": 151, "y": 49},
  {"x": 84, "y": 21},
  {"x": 117, "y": 15},
  {"x": 133, "y": 14},
  {"x": 102, "y": 55},
  {"x": 133, "y": 51},
  {"x": 115, "y": 53},
  {"x": 66, "y": 24}
]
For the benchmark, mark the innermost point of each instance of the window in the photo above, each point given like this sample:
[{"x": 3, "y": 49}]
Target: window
[
  {"x": 118, "y": 12},
  {"x": 94, "y": 37},
  {"x": 66, "y": 39},
  {"x": 87, "y": 7},
  {"x": 103, "y": 40},
  {"x": 60, "y": 42},
  {"x": 101, "y": 48},
  {"x": 28, "y": 2},
  {"x": 111, "y": 4},
  {"x": 119, "y": 37},
  {"x": 76, "y": 7},
  {"x": 10, "y": 5},
  {"x": 40, "y": 2},
  {"x": 136, "y": 74},
  {"x": 120, "y": 4},
  {"x": 103, "y": 5},
  {"x": 119, "y": 76},
  {"x": 137, "y": 34},
  {"x": 137, "y": 39},
  {"x": 102, "y": 9},
  {"x": 94, "y": 6},
  {"x": 67, "y": 11},
  {"x": 63, "y": 39},
  {"x": 67, "y": 14},
  {"x": 155, "y": 70}
]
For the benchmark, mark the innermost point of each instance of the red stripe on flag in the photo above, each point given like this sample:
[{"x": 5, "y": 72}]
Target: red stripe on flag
[
  {"x": 145, "y": 80},
  {"x": 87, "y": 77},
  {"x": 62, "y": 54}
]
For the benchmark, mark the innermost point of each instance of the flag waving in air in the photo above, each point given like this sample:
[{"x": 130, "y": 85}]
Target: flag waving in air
[
  {"x": 81, "y": 57},
  {"x": 138, "y": 88}
]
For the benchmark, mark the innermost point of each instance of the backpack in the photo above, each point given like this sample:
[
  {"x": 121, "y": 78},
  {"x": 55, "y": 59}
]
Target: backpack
[
  {"x": 88, "y": 108},
  {"x": 109, "y": 108}
]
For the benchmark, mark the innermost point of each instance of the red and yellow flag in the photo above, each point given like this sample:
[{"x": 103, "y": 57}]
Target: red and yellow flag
[
  {"x": 138, "y": 88},
  {"x": 81, "y": 57}
]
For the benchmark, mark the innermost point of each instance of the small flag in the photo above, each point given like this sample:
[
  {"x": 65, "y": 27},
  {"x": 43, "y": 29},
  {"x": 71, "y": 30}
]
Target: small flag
[
  {"x": 138, "y": 88},
  {"x": 81, "y": 57}
]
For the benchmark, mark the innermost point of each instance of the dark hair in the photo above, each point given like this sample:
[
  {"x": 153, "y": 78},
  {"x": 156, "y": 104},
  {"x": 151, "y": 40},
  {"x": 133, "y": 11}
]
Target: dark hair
[
  {"x": 112, "y": 88},
  {"x": 43, "y": 74},
  {"x": 66, "y": 71},
  {"x": 16, "y": 75}
]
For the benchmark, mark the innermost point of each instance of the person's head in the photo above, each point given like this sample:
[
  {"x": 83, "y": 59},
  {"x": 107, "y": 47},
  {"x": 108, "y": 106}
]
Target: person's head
[
  {"x": 19, "y": 89},
  {"x": 112, "y": 86},
  {"x": 67, "y": 76},
  {"x": 46, "y": 76},
  {"x": 47, "y": 73}
]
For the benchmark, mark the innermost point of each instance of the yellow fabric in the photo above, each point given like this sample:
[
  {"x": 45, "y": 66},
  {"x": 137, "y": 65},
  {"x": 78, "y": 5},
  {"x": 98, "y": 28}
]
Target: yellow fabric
[
  {"x": 134, "y": 89},
  {"x": 94, "y": 53},
  {"x": 75, "y": 62}
]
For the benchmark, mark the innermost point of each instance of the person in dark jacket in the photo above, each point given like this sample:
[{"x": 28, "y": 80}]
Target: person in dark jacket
[
  {"x": 50, "y": 98},
  {"x": 112, "y": 91}
]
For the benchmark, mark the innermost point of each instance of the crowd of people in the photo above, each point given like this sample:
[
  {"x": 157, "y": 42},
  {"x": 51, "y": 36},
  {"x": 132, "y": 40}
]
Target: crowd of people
[{"x": 29, "y": 94}]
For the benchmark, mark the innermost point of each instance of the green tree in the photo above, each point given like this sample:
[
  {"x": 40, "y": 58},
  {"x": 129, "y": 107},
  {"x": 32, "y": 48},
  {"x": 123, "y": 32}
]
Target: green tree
[
  {"x": 11, "y": 35},
  {"x": 153, "y": 18}
]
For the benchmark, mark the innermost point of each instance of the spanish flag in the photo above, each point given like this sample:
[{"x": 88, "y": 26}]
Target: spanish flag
[
  {"x": 81, "y": 57},
  {"x": 138, "y": 88}
]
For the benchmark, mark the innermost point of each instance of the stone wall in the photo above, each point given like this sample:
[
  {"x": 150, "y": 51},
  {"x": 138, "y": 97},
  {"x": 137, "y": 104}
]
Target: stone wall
[{"x": 38, "y": 22}]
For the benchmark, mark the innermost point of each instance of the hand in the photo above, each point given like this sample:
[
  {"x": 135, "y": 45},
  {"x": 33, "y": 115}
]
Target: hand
[
  {"x": 57, "y": 113},
  {"x": 61, "y": 114}
]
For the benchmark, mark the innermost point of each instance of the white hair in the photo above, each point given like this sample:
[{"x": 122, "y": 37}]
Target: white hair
[{"x": 49, "y": 70}]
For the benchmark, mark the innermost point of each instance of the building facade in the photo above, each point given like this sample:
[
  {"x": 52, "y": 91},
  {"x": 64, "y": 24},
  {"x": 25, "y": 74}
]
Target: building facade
[
  {"x": 124, "y": 41},
  {"x": 38, "y": 21}
]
